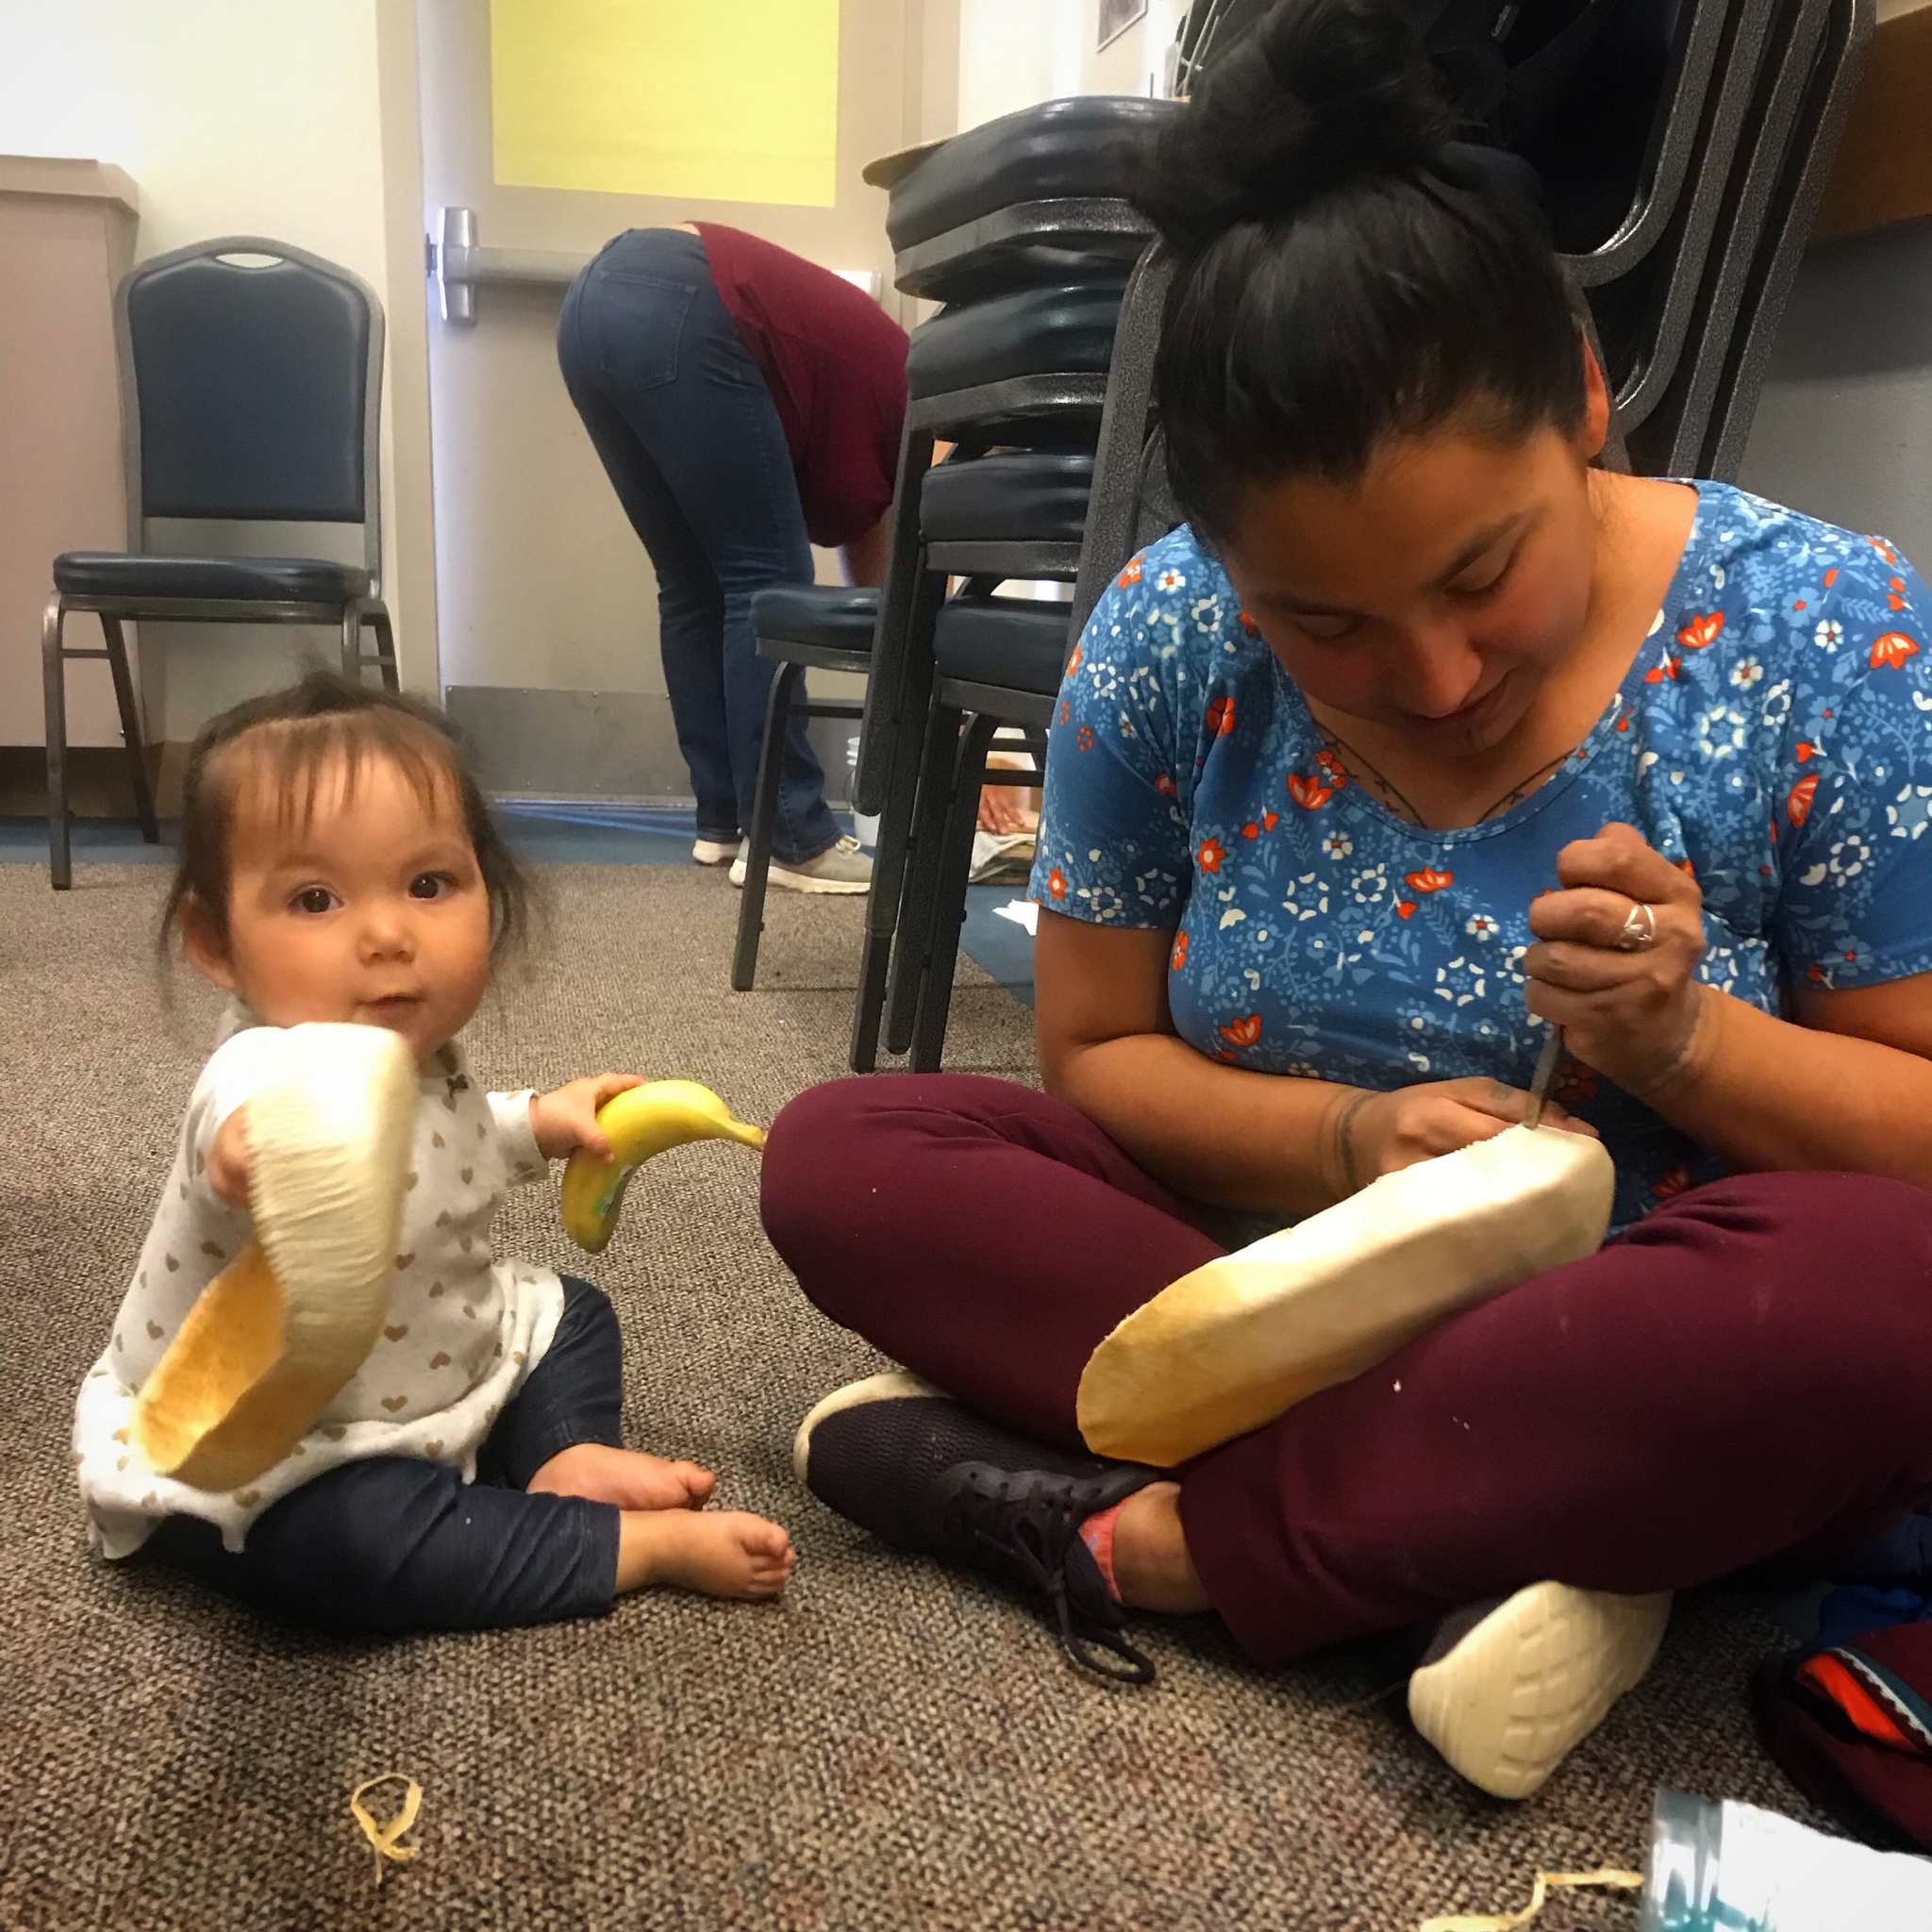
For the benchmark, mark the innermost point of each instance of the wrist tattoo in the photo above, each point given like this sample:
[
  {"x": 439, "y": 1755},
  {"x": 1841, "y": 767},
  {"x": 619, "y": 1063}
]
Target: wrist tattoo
[{"x": 1344, "y": 1142}]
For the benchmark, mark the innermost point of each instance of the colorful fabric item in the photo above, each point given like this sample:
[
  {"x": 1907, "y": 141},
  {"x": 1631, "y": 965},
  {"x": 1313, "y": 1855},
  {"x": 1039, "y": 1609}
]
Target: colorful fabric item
[
  {"x": 1877, "y": 1704},
  {"x": 1774, "y": 737},
  {"x": 1861, "y": 1606},
  {"x": 1852, "y": 1727}
]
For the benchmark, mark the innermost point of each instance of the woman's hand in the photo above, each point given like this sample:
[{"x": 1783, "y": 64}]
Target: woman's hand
[
  {"x": 1372, "y": 1134},
  {"x": 227, "y": 1161},
  {"x": 1633, "y": 1015},
  {"x": 565, "y": 1119}
]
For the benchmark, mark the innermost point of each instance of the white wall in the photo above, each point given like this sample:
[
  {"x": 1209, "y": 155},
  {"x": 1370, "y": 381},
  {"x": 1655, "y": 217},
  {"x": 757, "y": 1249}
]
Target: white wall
[
  {"x": 1014, "y": 53},
  {"x": 1132, "y": 62},
  {"x": 1844, "y": 429},
  {"x": 232, "y": 116}
]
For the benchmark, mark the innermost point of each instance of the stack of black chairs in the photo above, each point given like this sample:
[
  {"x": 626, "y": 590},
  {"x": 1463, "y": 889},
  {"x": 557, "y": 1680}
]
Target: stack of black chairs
[
  {"x": 1680, "y": 167},
  {"x": 1020, "y": 229}
]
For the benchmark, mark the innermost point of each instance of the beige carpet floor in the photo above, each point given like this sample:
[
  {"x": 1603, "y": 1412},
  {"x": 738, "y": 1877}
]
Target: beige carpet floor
[{"x": 892, "y": 1747}]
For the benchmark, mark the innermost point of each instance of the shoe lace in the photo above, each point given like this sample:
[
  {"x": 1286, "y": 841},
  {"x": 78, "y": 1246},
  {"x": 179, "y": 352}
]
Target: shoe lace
[{"x": 1033, "y": 1528}]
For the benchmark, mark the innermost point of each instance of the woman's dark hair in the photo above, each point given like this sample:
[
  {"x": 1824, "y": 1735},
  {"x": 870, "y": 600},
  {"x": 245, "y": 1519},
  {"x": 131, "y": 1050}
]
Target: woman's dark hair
[
  {"x": 292, "y": 738},
  {"x": 1344, "y": 273}
]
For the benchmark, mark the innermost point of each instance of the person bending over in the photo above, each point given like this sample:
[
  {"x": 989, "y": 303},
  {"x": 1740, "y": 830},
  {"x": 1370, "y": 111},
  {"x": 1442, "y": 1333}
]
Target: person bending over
[{"x": 746, "y": 405}]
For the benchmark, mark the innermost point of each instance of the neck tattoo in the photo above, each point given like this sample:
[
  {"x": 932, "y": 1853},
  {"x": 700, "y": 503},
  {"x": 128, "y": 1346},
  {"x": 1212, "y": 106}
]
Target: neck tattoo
[{"x": 1391, "y": 797}]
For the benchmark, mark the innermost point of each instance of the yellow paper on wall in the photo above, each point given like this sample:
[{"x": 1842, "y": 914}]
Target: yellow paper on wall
[{"x": 697, "y": 100}]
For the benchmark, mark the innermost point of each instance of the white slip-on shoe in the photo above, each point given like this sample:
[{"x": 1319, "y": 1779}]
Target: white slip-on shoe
[
  {"x": 715, "y": 851},
  {"x": 840, "y": 868},
  {"x": 1507, "y": 1701}
]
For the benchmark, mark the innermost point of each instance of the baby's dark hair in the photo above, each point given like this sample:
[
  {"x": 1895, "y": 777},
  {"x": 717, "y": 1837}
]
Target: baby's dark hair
[
  {"x": 291, "y": 738},
  {"x": 1346, "y": 270}
]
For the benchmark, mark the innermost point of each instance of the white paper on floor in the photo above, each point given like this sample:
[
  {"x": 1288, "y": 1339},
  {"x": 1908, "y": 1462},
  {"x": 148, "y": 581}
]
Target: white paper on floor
[{"x": 1022, "y": 912}]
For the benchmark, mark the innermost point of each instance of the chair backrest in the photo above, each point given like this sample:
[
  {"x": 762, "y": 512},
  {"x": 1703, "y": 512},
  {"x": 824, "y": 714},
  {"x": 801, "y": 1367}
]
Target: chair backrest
[
  {"x": 1122, "y": 466},
  {"x": 252, "y": 387},
  {"x": 1827, "y": 105}
]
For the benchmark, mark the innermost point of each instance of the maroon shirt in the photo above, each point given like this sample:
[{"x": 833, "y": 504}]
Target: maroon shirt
[{"x": 835, "y": 364}]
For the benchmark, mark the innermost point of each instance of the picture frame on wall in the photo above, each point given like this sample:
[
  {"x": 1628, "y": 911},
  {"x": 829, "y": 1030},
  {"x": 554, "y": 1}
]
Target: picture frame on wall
[{"x": 1117, "y": 16}]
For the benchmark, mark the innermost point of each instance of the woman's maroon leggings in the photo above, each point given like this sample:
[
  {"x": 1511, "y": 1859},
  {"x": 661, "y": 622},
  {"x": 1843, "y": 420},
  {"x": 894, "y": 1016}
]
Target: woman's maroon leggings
[{"x": 1746, "y": 1375}]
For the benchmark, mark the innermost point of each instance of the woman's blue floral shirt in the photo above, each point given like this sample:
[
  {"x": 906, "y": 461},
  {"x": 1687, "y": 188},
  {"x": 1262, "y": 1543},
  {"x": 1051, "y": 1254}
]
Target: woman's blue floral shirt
[{"x": 1774, "y": 737}]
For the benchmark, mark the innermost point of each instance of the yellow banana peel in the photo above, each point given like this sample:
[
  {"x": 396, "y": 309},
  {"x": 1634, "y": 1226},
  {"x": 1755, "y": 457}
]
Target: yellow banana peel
[{"x": 641, "y": 1122}]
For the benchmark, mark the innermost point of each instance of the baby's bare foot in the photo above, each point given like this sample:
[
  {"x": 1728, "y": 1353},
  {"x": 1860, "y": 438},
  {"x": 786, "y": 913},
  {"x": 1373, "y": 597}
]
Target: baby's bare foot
[
  {"x": 625, "y": 1476},
  {"x": 719, "y": 1553}
]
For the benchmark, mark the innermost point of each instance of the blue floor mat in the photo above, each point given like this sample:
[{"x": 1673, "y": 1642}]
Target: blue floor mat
[
  {"x": 994, "y": 942},
  {"x": 544, "y": 831},
  {"x": 96, "y": 841}
]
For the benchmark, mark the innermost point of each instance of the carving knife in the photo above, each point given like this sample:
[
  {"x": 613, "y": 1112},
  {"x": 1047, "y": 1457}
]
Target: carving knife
[{"x": 1545, "y": 1072}]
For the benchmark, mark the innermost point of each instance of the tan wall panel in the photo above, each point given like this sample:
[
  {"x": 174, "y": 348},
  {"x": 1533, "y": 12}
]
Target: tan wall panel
[{"x": 61, "y": 476}]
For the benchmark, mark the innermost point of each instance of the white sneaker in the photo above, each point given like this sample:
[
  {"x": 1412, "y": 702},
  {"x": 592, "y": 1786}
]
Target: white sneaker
[
  {"x": 1507, "y": 1701},
  {"x": 716, "y": 851},
  {"x": 840, "y": 868}
]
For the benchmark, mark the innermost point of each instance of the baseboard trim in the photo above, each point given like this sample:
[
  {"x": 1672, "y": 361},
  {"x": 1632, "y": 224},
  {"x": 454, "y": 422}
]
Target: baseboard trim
[{"x": 97, "y": 782}]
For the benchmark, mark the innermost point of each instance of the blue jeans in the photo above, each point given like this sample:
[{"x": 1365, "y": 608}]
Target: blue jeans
[
  {"x": 394, "y": 1545},
  {"x": 692, "y": 441}
]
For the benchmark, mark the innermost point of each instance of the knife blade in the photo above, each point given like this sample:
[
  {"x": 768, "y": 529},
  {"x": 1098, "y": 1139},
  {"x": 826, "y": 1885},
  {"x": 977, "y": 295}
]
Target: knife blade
[{"x": 1545, "y": 1072}]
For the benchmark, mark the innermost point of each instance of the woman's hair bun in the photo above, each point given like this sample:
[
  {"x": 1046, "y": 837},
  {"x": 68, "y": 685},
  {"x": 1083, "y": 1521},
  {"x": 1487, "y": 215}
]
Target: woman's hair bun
[{"x": 1320, "y": 93}]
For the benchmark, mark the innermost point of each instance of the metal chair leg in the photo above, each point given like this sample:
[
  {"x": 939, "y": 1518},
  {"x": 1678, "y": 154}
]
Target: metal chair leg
[
  {"x": 949, "y": 898},
  {"x": 130, "y": 728},
  {"x": 891, "y": 854},
  {"x": 352, "y": 642},
  {"x": 385, "y": 647},
  {"x": 54, "y": 680},
  {"x": 912, "y": 951},
  {"x": 765, "y": 813},
  {"x": 908, "y": 597},
  {"x": 900, "y": 760}
]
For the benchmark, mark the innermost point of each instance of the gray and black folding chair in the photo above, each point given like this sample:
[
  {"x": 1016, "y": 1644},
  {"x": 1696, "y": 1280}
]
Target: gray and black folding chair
[{"x": 251, "y": 384}]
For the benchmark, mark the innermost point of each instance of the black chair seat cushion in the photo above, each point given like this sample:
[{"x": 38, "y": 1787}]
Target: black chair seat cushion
[
  {"x": 251, "y": 579},
  {"x": 1061, "y": 149},
  {"x": 1016, "y": 641},
  {"x": 1063, "y": 330},
  {"x": 1014, "y": 496},
  {"x": 828, "y": 616}
]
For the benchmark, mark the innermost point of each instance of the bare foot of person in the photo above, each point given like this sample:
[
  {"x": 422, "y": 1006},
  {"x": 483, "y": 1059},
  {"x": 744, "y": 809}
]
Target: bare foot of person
[
  {"x": 625, "y": 1476},
  {"x": 717, "y": 1553}
]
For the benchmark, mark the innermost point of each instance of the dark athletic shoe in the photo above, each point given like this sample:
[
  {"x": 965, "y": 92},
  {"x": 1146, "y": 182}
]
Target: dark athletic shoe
[{"x": 926, "y": 1475}]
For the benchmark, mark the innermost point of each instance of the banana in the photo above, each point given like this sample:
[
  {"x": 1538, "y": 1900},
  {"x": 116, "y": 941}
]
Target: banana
[{"x": 641, "y": 1122}]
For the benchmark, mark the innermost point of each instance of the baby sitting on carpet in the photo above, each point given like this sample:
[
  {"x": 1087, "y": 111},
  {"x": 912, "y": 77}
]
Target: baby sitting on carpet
[{"x": 337, "y": 863}]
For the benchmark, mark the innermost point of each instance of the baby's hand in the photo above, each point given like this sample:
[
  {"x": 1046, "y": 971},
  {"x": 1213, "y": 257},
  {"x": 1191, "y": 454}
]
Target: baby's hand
[
  {"x": 227, "y": 1161},
  {"x": 565, "y": 1119}
]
